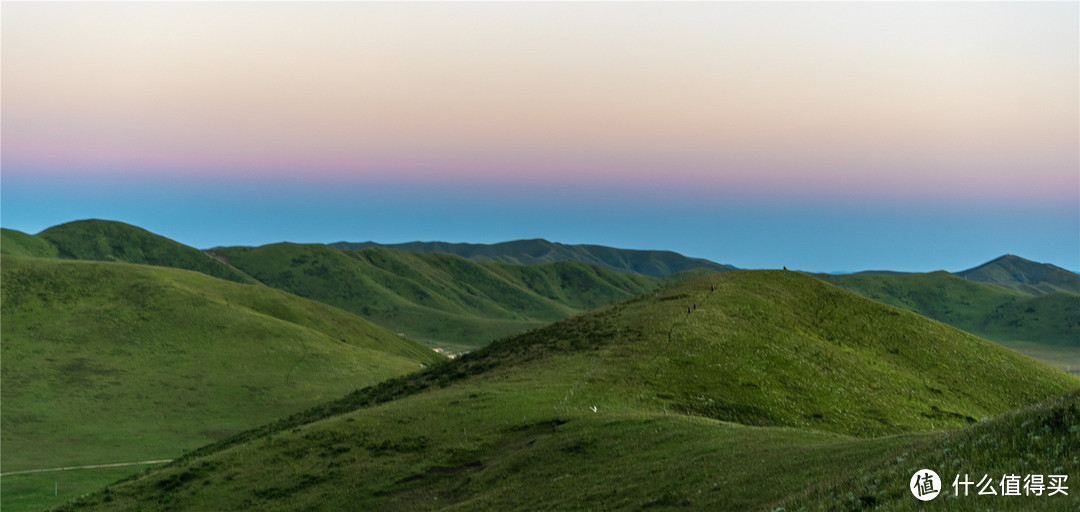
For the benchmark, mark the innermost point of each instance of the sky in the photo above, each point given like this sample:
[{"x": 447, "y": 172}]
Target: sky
[{"x": 909, "y": 136}]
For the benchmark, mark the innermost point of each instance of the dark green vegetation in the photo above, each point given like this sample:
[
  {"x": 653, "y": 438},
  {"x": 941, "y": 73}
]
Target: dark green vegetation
[
  {"x": 539, "y": 251},
  {"x": 115, "y": 362},
  {"x": 1042, "y": 439},
  {"x": 437, "y": 299},
  {"x": 1025, "y": 275},
  {"x": 102, "y": 240},
  {"x": 1045, "y": 325},
  {"x": 775, "y": 386}
]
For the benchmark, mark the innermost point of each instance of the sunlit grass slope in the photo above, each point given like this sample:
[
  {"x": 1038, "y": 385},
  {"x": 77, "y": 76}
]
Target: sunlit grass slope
[
  {"x": 113, "y": 362},
  {"x": 438, "y": 299},
  {"x": 776, "y": 384},
  {"x": 1045, "y": 325},
  {"x": 102, "y": 240}
]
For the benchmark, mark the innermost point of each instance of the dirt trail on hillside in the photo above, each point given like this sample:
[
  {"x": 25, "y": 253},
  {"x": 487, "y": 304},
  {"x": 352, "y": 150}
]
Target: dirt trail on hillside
[{"x": 92, "y": 466}]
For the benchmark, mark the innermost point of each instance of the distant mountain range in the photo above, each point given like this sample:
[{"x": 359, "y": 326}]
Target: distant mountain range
[
  {"x": 460, "y": 296},
  {"x": 539, "y": 251}
]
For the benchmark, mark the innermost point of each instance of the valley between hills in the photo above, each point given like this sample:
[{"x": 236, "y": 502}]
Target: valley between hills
[{"x": 302, "y": 377}]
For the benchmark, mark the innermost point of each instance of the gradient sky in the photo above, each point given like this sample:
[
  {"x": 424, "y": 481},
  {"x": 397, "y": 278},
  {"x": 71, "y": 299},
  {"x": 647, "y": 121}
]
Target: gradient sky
[{"x": 820, "y": 136}]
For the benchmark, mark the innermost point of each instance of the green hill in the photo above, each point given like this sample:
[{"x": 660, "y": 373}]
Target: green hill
[
  {"x": 438, "y": 299},
  {"x": 1028, "y": 276},
  {"x": 776, "y": 384},
  {"x": 18, "y": 243},
  {"x": 1045, "y": 326},
  {"x": 539, "y": 251},
  {"x": 101, "y": 240},
  {"x": 114, "y": 362}
]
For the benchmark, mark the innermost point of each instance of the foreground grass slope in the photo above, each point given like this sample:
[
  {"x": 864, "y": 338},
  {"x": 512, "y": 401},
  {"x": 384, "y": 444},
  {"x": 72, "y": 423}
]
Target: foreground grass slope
[
  {"x": 775, "y": 385},
  {"x": 102, "y": 240},
  {"x": 113, "y": 362},
  {"x": 1046, "y": 325},
  {"x": 539, "y": 251},
  {"x": 438, "y": 299}
]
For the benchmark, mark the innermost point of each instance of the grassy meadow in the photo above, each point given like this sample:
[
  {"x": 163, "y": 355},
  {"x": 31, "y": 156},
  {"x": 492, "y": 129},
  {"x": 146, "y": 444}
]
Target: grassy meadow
[
  {"x": 114, "y": 362},
  {"x": 642, "y": 404}
]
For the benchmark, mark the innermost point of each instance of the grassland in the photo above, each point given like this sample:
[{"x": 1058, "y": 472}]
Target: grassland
[
  {"x": 101, "y": 240},
  {"x": 114, "y": 362},
  {"x": 437, "y": 299},
  {"x": 1024, "y": 275},
  {"x": 21, "y": 244},
  {"x": 538, "y": 251},
  {"x": 1045, "y": 326},
  {"x": 775, "y": 390}
]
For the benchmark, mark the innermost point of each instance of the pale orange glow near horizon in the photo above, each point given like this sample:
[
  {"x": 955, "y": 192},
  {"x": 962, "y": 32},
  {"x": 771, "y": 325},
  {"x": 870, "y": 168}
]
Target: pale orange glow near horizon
[{"x": 970, "y": 98}]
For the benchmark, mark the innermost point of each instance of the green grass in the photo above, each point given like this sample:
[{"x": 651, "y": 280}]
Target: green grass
[
  {"x": 1042, "y": 439},
  {"x": 21, "y": 244},
  {"x": 34, "y": 492},
  {"x": 775, "y": 386},
  {"x": 1024, "y": 275},
  {"x": 100, "y": 240},
  {"x": 436, "y": 299},
  {"x": 114, "y": 362},
  {"x": 1036, "y": 325},
  {"x": 538, "y": 251}
]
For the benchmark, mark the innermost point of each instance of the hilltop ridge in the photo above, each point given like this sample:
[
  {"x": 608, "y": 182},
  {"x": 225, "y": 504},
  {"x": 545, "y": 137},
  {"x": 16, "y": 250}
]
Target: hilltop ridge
[
  {"x": 1029, "y": 276},
  {"x": 538, "y": 251}
]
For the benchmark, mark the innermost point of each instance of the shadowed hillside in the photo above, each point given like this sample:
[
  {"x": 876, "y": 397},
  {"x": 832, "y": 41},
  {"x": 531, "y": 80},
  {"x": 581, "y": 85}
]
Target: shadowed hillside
[
  {"x": 114, "y": 362},
  {"x": 539, "y": 251},
  {"x": 770, "y": 386},
  {"x": 439, "y": 299}
]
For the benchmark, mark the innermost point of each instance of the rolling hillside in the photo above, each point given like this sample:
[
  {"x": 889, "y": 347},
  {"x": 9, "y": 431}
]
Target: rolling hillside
[
  {"x": 775, "y": 385},
  {"x": 101, "y": 240},
  {"x": 539, "y": 251},
  {"x": 438, "y": 299},
  {"x": 1045, "y": 326},
  {"x": 18, "y": 243},
  {"x": 114, "y": 362}
]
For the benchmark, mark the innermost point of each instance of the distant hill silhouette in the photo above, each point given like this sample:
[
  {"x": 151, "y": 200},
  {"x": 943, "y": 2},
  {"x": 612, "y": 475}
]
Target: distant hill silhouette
[{"x": 538, "y": 251}]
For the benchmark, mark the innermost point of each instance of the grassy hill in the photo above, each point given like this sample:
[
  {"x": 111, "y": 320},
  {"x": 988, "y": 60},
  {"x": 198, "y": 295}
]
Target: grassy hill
[
  {"x": 21, "y": 244},
  {"x": 1028, "y": 276},
  {"x": 438, "y": 299},
  {"x": 539, "y": 251},
  {"x": 775, "y": 385},
  {"x": 1045, "y": 326},
  {"x": 101, "y": 240},
  {"x": 114, "y": 362}
]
